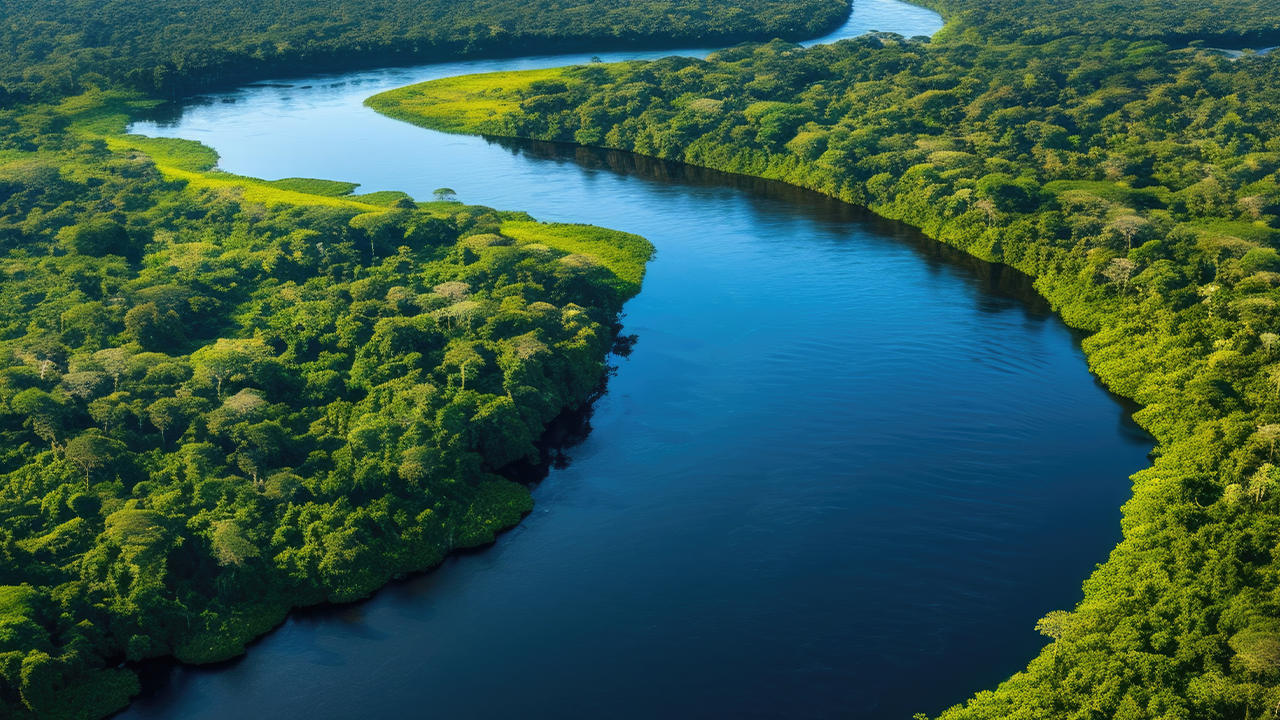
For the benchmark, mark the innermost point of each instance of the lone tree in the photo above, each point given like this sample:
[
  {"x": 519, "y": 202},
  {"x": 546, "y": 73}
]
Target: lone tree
[
  {"x": 1054, "y": 625},
  {"x": 1269, "y": 434},
  {"x": 169, "y": 413},
  {"x": 230, "y": 547},
  {"x": 1120, "y": 271},
  {"x": 461, "y": 355},
  {"x": 445, "y": 195},
  {"x": 91, "y": 452},
  {"x": 1261, "y": 482},
  {"x": 1128, "y": 227},
  {"x": 43, "y": 411}
]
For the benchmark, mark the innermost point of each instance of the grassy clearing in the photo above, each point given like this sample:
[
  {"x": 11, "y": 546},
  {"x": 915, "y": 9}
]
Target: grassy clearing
[
  {"x": 1146, "y": 198},
  {"x": 460, "y": 104},
  {"x": 105, "y": 117},
  {"x": 1253, "y": 232},
  {"x": 193, "y": 162},
  {"x": 469, "y": 104},
  {"x": 382, "y": 198},
  {"x": 312, "y": 186}
]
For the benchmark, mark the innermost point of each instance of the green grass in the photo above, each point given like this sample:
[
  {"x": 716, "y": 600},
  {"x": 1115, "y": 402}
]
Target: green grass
[
  {"x": 105, "y": 116},
  {"x": 460, "y": 104},
  {"x": 102, "y": 113},
  {"x": 383, "y": 198},
  {"x": 172, "y": 153},
  {"x": 1145, "y": 198},
  {"x": 469, "y": 103},
  {"x": 461, "y": 101},
  {"x": 193, "y": 162},
  {"x": 1253, "y": 232},
  {"x": 312, "y": 186}
]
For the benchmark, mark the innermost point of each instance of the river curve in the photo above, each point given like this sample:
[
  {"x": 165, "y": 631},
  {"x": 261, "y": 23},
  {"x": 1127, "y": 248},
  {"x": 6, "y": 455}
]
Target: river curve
[{"x": 843, "y": 473}]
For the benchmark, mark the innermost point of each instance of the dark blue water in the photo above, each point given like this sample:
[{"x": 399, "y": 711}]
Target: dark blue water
[{"x": 841, "y": 476}]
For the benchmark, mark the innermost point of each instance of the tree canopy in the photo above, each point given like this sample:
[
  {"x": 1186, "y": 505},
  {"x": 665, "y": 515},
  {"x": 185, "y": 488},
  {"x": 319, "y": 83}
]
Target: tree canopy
[
  {"x": 220, "y": 398},
  {"x": 52, "y": 49},
  {"x": 1138, "y": 181}
]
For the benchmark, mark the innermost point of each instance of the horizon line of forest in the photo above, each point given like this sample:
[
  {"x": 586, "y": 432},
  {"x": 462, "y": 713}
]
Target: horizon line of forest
[{"x": 172, "y": 48}]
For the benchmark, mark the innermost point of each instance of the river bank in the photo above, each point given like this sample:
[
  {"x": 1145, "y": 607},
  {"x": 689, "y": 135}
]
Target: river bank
[{"x": 751, "y": 525}]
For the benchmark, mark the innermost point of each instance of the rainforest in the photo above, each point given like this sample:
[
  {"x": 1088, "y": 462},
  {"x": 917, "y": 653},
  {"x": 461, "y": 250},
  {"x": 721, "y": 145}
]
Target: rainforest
[
  {"x": 223, "y": 398},
  {"x": 1134, "y": 178},
  {"x": 202, "y": 370}
]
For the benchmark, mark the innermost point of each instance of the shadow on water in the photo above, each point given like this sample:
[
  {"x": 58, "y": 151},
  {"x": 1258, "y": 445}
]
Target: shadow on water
[
  {"x": 566, "y": 431},
  {"x": 1000, "y": 287}
]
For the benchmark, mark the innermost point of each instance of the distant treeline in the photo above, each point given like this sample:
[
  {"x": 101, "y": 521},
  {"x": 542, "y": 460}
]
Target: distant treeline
[
  {"x": 54, "y": 49},
  {"x": 1231, "y": 23},
  {"x": 1138, "y": 183}
]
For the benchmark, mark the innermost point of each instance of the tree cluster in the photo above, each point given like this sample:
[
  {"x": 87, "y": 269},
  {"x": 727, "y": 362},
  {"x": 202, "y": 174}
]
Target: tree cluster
[
  {"x": 1227, "y": 23},
  {"x": 50, "y": 50},
  {"x": 213, "y": 410}
]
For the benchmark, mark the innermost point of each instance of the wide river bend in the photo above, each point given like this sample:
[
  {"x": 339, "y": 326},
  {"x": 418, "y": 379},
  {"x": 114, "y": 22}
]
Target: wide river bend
[{"x": 841, "y": 476}]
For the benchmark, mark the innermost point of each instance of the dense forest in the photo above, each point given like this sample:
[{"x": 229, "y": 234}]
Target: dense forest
[
  {"x": 221, "y": 398},
  {"x": 52, "y": 49},
  {"x": 1231, "y": 23},
  {"x": 1136, "y": 180}
]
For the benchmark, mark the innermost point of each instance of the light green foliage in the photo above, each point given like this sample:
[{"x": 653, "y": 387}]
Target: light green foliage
[
  {"x": 622, "y": 254},
  {"x": 311, "y": 186},
  {"x": 1054, "y": 625},
  {"x": 457, "y": 104}
]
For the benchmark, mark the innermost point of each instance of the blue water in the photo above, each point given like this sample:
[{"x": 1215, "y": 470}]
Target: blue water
[{"x": 841, "y": 476}]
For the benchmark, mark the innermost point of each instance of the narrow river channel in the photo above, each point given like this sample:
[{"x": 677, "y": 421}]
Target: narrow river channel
[{"x": 841, "y": 476}]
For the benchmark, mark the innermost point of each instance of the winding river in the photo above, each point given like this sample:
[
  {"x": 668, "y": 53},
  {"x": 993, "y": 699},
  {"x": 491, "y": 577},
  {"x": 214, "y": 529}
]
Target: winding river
[{"x": 841, "y": 476}]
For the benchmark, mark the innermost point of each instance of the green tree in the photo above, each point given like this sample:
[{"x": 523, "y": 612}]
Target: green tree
[
  {"x": 97, "y": 238},
  {"x": 1056, "y": 625},
  {"x": 92, "y": 452},
  {"x": 230, "y": 547}
]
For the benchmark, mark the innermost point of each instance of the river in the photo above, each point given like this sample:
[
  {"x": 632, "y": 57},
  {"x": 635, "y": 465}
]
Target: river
[{"x": 841, "y": 476}]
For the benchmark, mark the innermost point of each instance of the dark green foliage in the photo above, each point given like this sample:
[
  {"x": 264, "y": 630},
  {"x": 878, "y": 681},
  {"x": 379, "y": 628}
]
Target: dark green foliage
[
  {"x": 260, "y": 408},
  {"x": 52, "y": 49},
  {"x": 98, "y": 237},
  {"x": 212, "y": 410},
  {"x": 1137, "y": 183},
  {"x": 1033, "y": 21}
]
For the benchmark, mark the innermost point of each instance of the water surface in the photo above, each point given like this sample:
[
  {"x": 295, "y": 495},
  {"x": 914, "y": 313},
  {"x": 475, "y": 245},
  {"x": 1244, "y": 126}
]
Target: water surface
[{"x": 841, "y": 476}]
